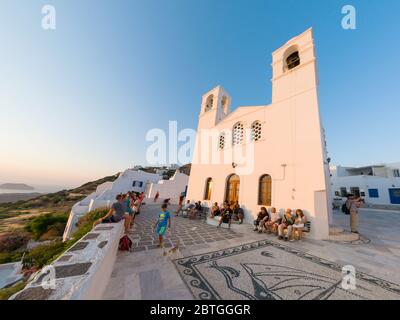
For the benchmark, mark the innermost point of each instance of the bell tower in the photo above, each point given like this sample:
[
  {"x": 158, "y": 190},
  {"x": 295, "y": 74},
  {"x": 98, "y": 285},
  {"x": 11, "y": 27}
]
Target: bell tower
[
  {"x": 215, "y": 106},
  {"x": 294, "y": 67}
]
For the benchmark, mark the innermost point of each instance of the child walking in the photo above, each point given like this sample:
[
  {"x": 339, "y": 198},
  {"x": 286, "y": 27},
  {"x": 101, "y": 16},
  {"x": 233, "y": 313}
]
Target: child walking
[{"x": 164, "y": 222}]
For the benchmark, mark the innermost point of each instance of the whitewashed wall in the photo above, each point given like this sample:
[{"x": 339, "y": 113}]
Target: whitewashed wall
[
  {"x": 171, "y": 188},
  {"x": 364, "y": 183}
]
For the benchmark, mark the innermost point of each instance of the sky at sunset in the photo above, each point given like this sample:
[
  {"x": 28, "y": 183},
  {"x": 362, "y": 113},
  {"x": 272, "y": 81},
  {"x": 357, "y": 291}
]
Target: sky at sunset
[{"x": 76, "y": 102}]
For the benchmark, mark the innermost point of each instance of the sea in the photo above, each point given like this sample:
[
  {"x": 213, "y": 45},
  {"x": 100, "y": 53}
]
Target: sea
[{"x": 37, "y": 188}]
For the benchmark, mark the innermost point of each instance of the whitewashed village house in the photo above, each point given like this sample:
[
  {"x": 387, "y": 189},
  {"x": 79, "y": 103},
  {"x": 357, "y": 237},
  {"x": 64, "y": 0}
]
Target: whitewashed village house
[
  {"x": 129, "y": 180},
  {"x": 289, "y": 168},
  {"x": 377, "y": 184}
]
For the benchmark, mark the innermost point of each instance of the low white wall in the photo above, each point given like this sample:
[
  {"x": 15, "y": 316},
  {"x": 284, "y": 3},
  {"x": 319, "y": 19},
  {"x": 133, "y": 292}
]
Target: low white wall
[
  {"x": 96, "y": 204},
  {"x": 105, "y": 195},
  {"x": 79, "y": 211},
  {"x": 100, "y": 252},
  {"x": 172, "y": 188}
]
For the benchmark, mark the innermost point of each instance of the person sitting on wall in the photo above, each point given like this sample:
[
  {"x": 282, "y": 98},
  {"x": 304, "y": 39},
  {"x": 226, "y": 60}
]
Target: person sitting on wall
[
  {"x": 238, "y": 213},
  {"x": 286, "y": 223},
  {"x": 226, "y": 215},
  {"x": 261, "y": 219},
  {"x": 215, "y": 210},
  {"x": 272, "y": 224},
  {"x": 116, "y": 214},
  {"x": 299, "y": 223}
]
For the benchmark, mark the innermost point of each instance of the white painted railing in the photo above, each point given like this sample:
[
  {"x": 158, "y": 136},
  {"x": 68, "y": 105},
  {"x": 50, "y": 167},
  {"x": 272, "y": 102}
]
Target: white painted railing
[{"x": 82, "y": 272}]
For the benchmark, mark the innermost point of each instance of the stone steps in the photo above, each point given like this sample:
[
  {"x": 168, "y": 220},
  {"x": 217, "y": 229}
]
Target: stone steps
[
  {"x": 344, "y": 237},
  {"x": 335, "y": 230},
  {"x": 339, "y": 234},
  {"x": 234, "y": 225}
]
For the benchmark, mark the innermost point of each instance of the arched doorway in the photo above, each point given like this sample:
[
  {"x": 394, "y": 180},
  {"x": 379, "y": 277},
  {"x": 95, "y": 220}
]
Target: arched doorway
[
  {"x": 208, "y": 189},
  {"x": 232, "y": 188},
  {"x": 264, "y": 190}
]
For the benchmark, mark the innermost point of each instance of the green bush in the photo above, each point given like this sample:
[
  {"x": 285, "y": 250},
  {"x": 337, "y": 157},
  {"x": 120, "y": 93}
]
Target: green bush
[
  {"x": 7, "y": 257},
  {"x": 85, "y": 223},
  {"x": 10, "y": 242},
  {"x": 6, "y": 293},
  {"x": 40, "y": 225},
  {"x": 45, "y": 254}
]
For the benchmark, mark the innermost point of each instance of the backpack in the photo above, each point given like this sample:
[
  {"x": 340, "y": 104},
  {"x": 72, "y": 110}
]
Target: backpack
[
  {"x": 345, "y": 210},
  {"x": 125, "y": 244}
]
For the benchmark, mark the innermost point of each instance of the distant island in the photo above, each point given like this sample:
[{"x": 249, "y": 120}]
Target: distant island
[{"x": 16, "y": 186}]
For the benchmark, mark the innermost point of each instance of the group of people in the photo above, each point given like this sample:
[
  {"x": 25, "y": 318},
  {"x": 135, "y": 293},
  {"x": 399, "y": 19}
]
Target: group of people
[
  {"x": 285, "y": 225},
  {"x": 277, "y": 223},
  {"x": 189, "y": 209},
  {"x": 227, "y": 212},
  {"x": 126, "y": 207}
]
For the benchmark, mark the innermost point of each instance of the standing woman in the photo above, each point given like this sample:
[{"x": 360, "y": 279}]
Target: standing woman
[
  {"x": 156, "y": 196},
  {"x": 135, "y": 206},
  {"x": 355, "y": 204}
]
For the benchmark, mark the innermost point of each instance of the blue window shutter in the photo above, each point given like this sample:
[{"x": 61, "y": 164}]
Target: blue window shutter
[{"x": 373, "y": 193}]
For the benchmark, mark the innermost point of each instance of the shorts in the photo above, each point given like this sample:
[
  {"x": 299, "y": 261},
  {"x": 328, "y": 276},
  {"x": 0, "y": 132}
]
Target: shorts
[
  {"x": 300, "y": 225},
  {"x": 111, "y": 219},
  {"x": 161, "y": 230}
]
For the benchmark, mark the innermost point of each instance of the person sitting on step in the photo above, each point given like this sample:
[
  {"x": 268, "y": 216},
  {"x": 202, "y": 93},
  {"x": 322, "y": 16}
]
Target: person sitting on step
[
  {"x": 185, "y": 209},
  {"x": 299, "y": 223},
  {"x": 238, "y": 213},
  {"x": 260, "y": 221},
  {"x": 215, "y": 210},
  {"x": 226, "y": 215},
  {"x": 196, "y": 210},
  {"x": 272, "y": 224},
  {"x": 286, "y": 223}
]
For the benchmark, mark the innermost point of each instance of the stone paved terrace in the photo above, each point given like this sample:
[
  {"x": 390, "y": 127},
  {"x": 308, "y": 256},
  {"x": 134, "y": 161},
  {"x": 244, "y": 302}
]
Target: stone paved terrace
[
  {"x": 188, "y": 232},
  {"x": 149, "y": 274}
]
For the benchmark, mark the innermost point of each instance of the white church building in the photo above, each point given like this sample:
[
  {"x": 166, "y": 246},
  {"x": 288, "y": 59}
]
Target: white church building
[{"x": 268, "y": 155}]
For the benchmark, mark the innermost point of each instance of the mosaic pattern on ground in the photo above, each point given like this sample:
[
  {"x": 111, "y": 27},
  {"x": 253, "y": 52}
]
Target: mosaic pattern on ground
[{"x": 266, "y": 270}]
